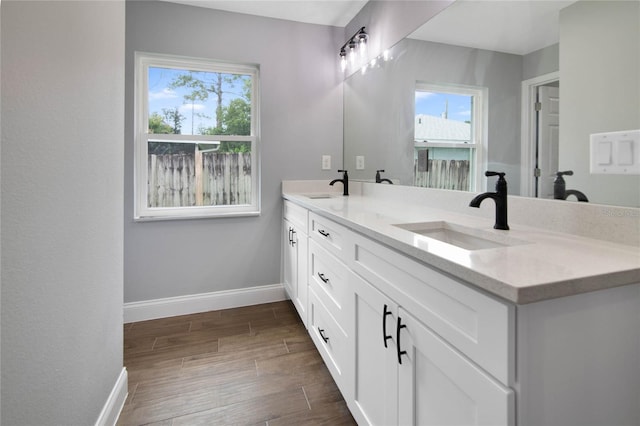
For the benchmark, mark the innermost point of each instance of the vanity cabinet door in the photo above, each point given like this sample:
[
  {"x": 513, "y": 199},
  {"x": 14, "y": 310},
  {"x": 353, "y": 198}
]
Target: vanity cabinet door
[
  {"x": 375, "y": 398},
  {"x": 295, "y": 267},
  {"x": 289, "y": 259},
  {"x": 439, "y": 386}
]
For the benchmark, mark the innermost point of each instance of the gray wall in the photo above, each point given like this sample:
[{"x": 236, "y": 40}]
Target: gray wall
[
  {"x": 541, "y": 62},
  {"x": 62, "y": 242},
  {"x": 599, "y": 69},
  {"x": 301, "y": 107}
]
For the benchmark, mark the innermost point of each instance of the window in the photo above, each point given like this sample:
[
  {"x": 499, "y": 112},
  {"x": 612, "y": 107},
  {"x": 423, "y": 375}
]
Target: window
[
  {"x": 196, "y": 142},
  {"x": 449, "y": 136}
]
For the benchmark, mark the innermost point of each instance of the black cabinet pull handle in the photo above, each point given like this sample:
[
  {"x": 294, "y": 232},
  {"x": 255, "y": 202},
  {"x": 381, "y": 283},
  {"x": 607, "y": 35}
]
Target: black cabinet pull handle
[
  {"x": 321, "y": 331},
  {"x": 323, "y": 278},
  {"x": 290, "y": 231},
  {"x": 293, "y": 234},
  {"x": 400, "y": 326},
  {"x": 323, "y": 232},
  {"x": 385, "y": 312}
]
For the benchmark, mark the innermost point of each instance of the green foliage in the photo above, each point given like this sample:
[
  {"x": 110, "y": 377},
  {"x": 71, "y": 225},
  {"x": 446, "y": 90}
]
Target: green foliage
[
  {"x": 236, "y": 118},
  {"x": 234, "y": 147},
  {"x": 174, "y": 117},
  {"x": 158, "y": 126}
]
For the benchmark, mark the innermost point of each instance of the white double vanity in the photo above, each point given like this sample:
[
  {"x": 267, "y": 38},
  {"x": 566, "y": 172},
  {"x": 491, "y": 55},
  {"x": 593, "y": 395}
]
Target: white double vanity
[{"x": 424, "y": 314}]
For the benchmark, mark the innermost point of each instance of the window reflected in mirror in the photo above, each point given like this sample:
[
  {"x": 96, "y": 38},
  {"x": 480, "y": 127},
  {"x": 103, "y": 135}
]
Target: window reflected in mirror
[{"x": 448, "y": 137}]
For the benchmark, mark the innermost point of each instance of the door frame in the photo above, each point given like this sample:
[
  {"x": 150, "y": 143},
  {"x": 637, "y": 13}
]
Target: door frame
[{"x": 528, "y": 130}]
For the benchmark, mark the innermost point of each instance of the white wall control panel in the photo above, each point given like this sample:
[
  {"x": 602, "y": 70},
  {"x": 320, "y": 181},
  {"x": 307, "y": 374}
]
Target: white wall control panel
[
  {"x": 359, "y": 162},
  {"x": 616, "y": 153}
]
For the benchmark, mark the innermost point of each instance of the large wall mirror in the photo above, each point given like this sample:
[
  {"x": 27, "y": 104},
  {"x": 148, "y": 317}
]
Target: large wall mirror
[{"x": 458, "y": 97}]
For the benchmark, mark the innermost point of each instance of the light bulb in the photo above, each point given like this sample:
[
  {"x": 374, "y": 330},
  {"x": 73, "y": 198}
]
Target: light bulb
[
  {"x": 343, "y": 60},
  {"x": 352, "y": 53}
]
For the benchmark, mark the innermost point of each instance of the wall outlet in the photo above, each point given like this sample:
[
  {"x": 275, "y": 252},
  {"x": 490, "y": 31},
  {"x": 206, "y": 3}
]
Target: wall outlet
[
  {"x": 359, "y": 162},
  {"x": 326, "y": 162}
]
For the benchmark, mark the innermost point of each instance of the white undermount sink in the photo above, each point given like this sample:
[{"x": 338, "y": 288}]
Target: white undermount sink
[
  {"x": 320, "y": 196},
  {"x": 461, "y": 236}
]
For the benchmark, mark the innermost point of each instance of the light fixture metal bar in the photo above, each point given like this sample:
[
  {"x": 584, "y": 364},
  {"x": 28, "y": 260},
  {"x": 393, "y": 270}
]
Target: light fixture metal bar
[{"x": 351, "y": 39}]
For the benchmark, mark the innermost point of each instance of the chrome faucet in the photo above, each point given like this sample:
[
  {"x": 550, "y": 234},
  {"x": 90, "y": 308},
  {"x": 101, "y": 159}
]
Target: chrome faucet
[
  {"x": 500, "y": 198},
  {"x": 380, "y": 180},
  {"x": 560, "y": 191},
  {"x": 344, "y": 180}
]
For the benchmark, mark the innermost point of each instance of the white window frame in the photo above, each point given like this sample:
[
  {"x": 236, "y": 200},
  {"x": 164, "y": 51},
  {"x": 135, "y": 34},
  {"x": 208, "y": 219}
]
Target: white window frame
[
  {"x": 142, "y": 212},
  {"x": 479, "y": 133}
]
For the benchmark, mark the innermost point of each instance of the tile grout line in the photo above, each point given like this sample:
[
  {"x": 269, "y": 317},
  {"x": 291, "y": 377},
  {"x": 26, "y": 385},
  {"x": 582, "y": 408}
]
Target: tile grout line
[{"x": 305, "y": 397}]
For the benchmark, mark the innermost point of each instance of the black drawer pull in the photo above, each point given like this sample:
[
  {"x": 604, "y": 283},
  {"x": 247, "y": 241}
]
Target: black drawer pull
[
  {"x": 323, "y": 278},
  {"x": 323, "y": 232},
  {"x": 385, "y": 312},
  {"x": 400, "y": 327},
  {"x": 293, "y": 235},
  {"x": 321, "y": 331},
  {"x": 290, "y": 231}
]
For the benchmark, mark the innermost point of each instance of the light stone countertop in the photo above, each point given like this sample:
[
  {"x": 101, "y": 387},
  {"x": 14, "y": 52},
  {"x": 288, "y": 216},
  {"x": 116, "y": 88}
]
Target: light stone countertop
[{"x": 542, "y": 264}]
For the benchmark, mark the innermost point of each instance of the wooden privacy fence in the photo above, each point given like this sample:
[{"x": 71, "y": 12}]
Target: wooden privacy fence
[
  {"x": 443, "y": 174},
  {"x": 219, "y": 179}
]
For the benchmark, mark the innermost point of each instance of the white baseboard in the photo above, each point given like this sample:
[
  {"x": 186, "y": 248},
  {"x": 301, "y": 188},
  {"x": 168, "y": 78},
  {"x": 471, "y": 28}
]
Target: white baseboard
[
  {"x": 191, "y": 304},
  {"x": 112, "y": 408}
]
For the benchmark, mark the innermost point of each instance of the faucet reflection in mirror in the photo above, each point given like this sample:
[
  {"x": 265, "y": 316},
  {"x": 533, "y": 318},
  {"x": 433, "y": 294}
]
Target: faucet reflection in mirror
[{"x": 560, "y": 191}]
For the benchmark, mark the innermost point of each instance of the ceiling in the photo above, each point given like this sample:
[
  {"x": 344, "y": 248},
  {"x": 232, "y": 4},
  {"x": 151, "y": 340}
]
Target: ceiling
[
  {"x": 337, "y": 13},
  {"x": 513, "y": 26}
]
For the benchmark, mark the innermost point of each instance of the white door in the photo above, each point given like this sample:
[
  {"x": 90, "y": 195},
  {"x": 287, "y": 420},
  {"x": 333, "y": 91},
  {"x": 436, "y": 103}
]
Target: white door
[
  {"x": 375, "y": 392},
  {"x": 439, "y": 386},
  {"x": 548, "y": 130},
  {"x": 300, "y": 244},
  {"x": 289, "y": 260}
]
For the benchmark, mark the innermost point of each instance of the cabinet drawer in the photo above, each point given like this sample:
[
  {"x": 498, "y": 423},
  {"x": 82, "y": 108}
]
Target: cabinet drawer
[
  {"x": 296, "y": 215},
  {"x": 329, "y": 277},
  {"x": 330, "y": 339},
  {"x": 477, "y": 325},
  {"x": 328, "y": 234}
]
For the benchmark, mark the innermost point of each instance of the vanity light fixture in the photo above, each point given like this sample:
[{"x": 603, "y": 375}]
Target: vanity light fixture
[{"x": 357, "y": 42}]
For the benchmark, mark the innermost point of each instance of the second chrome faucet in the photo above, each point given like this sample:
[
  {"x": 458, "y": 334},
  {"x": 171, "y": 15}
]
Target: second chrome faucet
[{"x": 500, "y": 198}]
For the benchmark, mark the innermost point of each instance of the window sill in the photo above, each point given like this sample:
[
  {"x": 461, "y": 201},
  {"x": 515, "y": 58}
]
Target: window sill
[{"x": 204, "y": 216}]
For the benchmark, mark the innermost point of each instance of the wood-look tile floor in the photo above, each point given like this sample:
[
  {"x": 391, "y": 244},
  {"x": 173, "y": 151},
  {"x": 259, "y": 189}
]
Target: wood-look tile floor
[{"x": 254, "y": 365}]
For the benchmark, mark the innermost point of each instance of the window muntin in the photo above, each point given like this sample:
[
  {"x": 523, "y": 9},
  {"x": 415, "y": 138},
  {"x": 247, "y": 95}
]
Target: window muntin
[
  {"x": 197, "y": 132},
  {"x": 449, "y": 136}
]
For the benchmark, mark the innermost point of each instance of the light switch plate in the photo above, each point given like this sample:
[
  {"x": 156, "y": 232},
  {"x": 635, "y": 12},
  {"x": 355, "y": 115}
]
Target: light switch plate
[
  {"x": 359, "y": 162},
  {"x": 326, "y": 162},
  {"x": 616, "y": 153}
]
